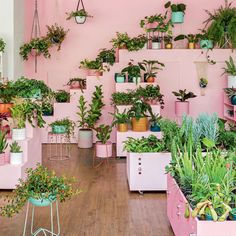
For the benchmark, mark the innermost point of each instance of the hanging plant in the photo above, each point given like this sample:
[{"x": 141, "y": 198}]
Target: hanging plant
[
  {"x": 79, "y": 15},
  {"x": 37, "y": 46},
  {"x": 56, "y": 34},
  {"x": 2, "y": 45}
]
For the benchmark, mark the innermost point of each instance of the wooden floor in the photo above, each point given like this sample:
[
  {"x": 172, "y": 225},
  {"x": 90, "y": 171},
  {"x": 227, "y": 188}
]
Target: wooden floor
[{"x": 105, "y": 208}]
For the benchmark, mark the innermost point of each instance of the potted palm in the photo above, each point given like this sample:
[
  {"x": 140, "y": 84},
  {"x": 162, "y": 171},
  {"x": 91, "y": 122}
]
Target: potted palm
[
  {"x": 182, "y": 105},
  {"x": 103, "y": 146},
  {"x": 88, "y": 117},
  {"x": 151, "y": 69},
  {"x": 77, "y": 83},
  {"x": 93, "y": 67},
  {"x": 3, "y": 146},
  {"x": 230, "y": 70},
  {"x": 177, "y": 12},
  {"x": 62, "y": 96},
  {"x": 133, "y": 71},
  {"x": 231, "y": 94},
  {"x": 192, "y": 39},
  {"x": 122, "y": 120},
  {"x": 16, "y": 154},
  {"x": 79, "y": 15}
]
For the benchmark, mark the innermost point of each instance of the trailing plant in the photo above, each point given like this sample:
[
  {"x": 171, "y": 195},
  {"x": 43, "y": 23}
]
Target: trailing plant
[
  {"x": 40, "y": 45},
  {"x": 15, "y": 148},
  {"x": 151, "y": 67},
  {"x": 183, "y": 96},
  {"x": 2, "y": 45},
  {"x": 56, "y": 34},
  {"x": 103, "y": 133},
  {"x": 62, "y": 96},
  {"x": 81, "y": 13},
  {"x": 192, "y": 38},
  {"x": 92, "y": 65},
  {"x": 121, "y": 41},
  {"x": 40, "y": 183},
  {"x": 180, "y": 7},
  {"x": 3, "y": 142},
  {"x": 80, "y": 81},
  {"x": 88, "y": 116},
  {"x": 122, "y": 98},
  {"x": 230, "y": 68},
  {"x": 107, "y": 56},
  {"x": 139, "y": 109}
]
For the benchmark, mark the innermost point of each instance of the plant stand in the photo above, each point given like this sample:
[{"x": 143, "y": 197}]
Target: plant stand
[
  {"x": 103, "y": 160},
  {"x": 42, "y": 230},
  {"x": 59, "y": 148}
]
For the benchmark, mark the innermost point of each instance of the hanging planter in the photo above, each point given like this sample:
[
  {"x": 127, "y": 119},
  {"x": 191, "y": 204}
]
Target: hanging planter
[{"x": 79, "y": 15}]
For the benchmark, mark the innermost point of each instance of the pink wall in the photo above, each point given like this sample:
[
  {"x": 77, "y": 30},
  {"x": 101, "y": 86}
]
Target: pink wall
[{"x": 84, "y": 41}]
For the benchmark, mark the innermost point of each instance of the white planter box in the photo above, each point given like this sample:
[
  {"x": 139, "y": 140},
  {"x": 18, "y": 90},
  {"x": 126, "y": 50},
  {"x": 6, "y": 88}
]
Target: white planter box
[
  {"x": 146, "y": 171},
  {"x": 231, "y": 81},
  {"x": 16, "y": 158}
]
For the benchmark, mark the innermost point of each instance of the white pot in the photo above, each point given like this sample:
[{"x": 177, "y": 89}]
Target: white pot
[
  {"x": 80, "y": 19},
  {"x": 231, "y": 81},
  {"x": 18, "y": 134},
  {"x": 136, "y": 80},
  {"x": 156, "y": 45},
  {"x": 16, "y": 158},
  {"x": 85, "y": 138}
]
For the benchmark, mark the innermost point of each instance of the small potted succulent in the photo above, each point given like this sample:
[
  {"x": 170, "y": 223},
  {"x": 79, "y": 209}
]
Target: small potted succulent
[
  {"x": 193, "y": 39},
  {"x": 134, "y": 72},
  {"x": 156, "y": 42},
  {"x": 205, "y": 40},
  {"x": 62, "y": 96},
  {"x": 182, "y": 105},
  {"x": 16, "y": 154},
  {"x": 79, "y": 15},
  {"x": 231, "y": 94},
  {"x": 56, "y": 34},
  {"x": 120, "y": 77},
  {"x": 230, "y": 70},
  {"x": 93, "y": 67},
  {"x": 122, "y": 120},
  {"x": 3, "y": 146},
  {"x": 177, "y": 12},
  {"x": 41, "y": 187},
  {"x": 77, "y": 83},
  {"x": 103, "y": 146},
  {"x": 2, "y": 45},
  {"x": 121, "y": 41},
  {"x": 151, "y": 69}
]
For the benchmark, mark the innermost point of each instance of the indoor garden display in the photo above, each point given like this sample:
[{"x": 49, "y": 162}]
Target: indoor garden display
[
  {"x": 230, "y": 70},
  {"x": 177, "y": 12},
  {"x": 79, "y": 15}
]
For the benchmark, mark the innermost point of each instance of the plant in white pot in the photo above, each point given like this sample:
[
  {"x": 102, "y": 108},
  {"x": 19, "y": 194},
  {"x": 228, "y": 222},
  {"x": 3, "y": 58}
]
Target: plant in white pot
[
  {"x": 79, "y": 15},
  {"x": 16, "y": 154},
  {"x": 88, "y": 117},
  {"x": 230, "y": 70},
  {"x": 182, "y": 105},
  {"x": 133, "y": 71},
  {"x": 3, "y": 146}
]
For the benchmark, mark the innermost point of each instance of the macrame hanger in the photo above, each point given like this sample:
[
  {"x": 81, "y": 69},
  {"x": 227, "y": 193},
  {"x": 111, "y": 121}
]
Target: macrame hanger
[
  {"x": 35, "y": 32},
  {"x": 79, "y": 4}
]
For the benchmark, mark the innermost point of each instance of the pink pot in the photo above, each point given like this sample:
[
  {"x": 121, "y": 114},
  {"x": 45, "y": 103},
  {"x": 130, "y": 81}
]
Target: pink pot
[
  {"x": 75, "y": 85},
  {"x": 181, "y": 108},
  {"x": 2, "y": 159},
  {"x": 94, "y": 73},
  {"x": 104, "y": 150}
]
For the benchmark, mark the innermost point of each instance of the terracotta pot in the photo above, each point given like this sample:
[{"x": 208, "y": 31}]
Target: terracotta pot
[
  {"x": 123, "y": 127},
  {"x": 85, "y": 138},
  {"x": 168, "y": 46},
  {"x": 181, "y": 108},
  {"x": 191, "y": 45},
  {"x": 2, "y": 159},
  {"x": 104, "y": 150},
  {"x": 5, "y": 108},
  {"x": 94, "y": 73},
  {"x": 151, "y": 79},
  {"x": 140, "y": 125}
]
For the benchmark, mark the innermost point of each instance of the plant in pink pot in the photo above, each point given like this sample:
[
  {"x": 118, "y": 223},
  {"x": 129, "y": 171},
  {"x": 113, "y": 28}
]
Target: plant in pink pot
[
  {"x": 182, "y": 105},
  {"x": 3, "y": 146}
]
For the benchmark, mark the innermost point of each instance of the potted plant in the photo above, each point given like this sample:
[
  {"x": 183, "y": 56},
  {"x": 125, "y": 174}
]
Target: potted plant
[
  {"x": 137, "y": 43},
  {"x": 93, "y": 67},
  {"x": 62, "y": 96},
  {"x": 121, "y": 119},
  {"x": 154, "y": 121},
  {"x": 121, "y": 41},
  {"x": 120, "y": 77},
  {"x": 168, "y": 42},
  {"x": 107, "y": 56},
  {"x": 150, "y": 68},
  {"x": 56, "y": 34},
  {"x": 88, "y": 117},
  {"x": 192, "y": 39},
  {"x": 79, "y": 15},
  {"x": 203, "y": 82},
  {"x": 37, "y": 47},
  {"x": 205, "y": 40},
  {"x": 220, "y": 26},
  {"x": 41, "y": 187},
  {"x": 103, "y": 146},
  {"x": 156, "y": 42},
  {"x": 133, "y": 71},
  {"x": 122, "y": 98},
  {"x": 2, "y": 45},
  {"x": 3, "y": 146},
  {"x": 138, "y": 116},
  {"x": 16, "y": 154},
  {"x": 177, "y": 12},
  {"x": 230, "y": 70},
  {"x": 48, "y": 104},
  {"x": 182, "y": 105},
  {"x": 231, "y": 94},
  {"x": 77, "y": 83}
]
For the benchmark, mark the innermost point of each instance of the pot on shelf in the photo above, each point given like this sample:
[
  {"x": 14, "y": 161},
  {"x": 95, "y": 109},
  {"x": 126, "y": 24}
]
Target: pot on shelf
[
  {"x": 18, "y": 134},
  {"x": 93, "y": 72},
  {"x": 16, "y": 158},
  {"x": 5, "y": 108},
  {"x": 103, "y": 150},
  {"x": 75, "y": 85},
  {"x": 177, "y": 17},
  {"x": 2, "y": 159},
  {"x": 151, "y": 79},
  {"x": 156, "y": 45},
  {"x": 206, "y": 44},
  {"x": 80, "y": 19},
  {"x": 233, "y": 214},
  {"x": 59, "y": 129},
  {"x": 140, "y": 125},
  {"x": 181, "y": 108},
  {"x": 233, "y": 100},
  {"x": 85, "y": 138},
  {"x": 42, "y": 202},
  {"x": 155, "y": 128},
  {"x": 119, "y": 78},
  {"x": 122, "y": 127},
  {"x": 231, "y": 81},
  {"x": 191, "y": 45},
  {"x": 168, "y": 46}
]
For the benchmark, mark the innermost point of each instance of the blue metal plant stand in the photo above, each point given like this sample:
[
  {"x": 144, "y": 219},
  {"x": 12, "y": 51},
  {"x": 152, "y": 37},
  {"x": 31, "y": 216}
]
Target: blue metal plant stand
[{"x": 42, "y": 230}]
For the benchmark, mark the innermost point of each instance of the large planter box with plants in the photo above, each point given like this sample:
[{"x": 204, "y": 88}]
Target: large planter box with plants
[{"x": 146, "y": 162}]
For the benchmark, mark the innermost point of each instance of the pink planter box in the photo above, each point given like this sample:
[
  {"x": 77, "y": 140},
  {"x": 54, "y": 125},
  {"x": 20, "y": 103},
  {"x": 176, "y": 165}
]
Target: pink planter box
[
  {"x": 181, "y": 108},
  {"x": 103, "y": 150},
  {"x": 191, "y": 226}
]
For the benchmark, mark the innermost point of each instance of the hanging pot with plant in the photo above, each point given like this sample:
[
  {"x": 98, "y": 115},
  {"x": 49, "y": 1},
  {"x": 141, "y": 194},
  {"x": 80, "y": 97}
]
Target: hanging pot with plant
[
  {"x": 230, "y": 70},
  {"x": 177, "y": 12}
]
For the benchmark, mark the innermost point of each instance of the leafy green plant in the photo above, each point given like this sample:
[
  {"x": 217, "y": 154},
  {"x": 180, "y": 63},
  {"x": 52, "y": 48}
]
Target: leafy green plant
[
  {"x": 151, "y": 67},
  {"x": 122, "y": 98},
  {"x": 103, "y": 133},
  {"x": 56, "y": 34},
  {"x": 180, "y": 7},
  {"x": 137, "y": 43},
  {"x": 220, "y": 25},
  {"x": 15, "y": 148},
  {"x": 89, "y": 116},
  {"x": 40, "y": 45},
  {"x": 121, "y": 40},
  {"x": 80, "y": 81},
  {"x": 183, "y": 96},
  {"x": 62, "y": 96},
  {"x": 192, "y": 38},
  {"x": 7, "y": 92},
  {"x": 203, "y": 82},
  {"x": 81, "y": 13},
  {"x": 3, "y": 142},
  {"x": 2, "y": 45},
  {"x": 144, "y": 145},
  {"x": 107, "y": 56},
  {"x": 230, "y": 68},
  {"x": 40, "y": 183},
  {"x": 138, "y": 109},
  {"x": 92, "y": 65},
  {"x": 133, "y": 70},
  {"x": 121, "y": 118},
  {"x": 168, "y": 39}
]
